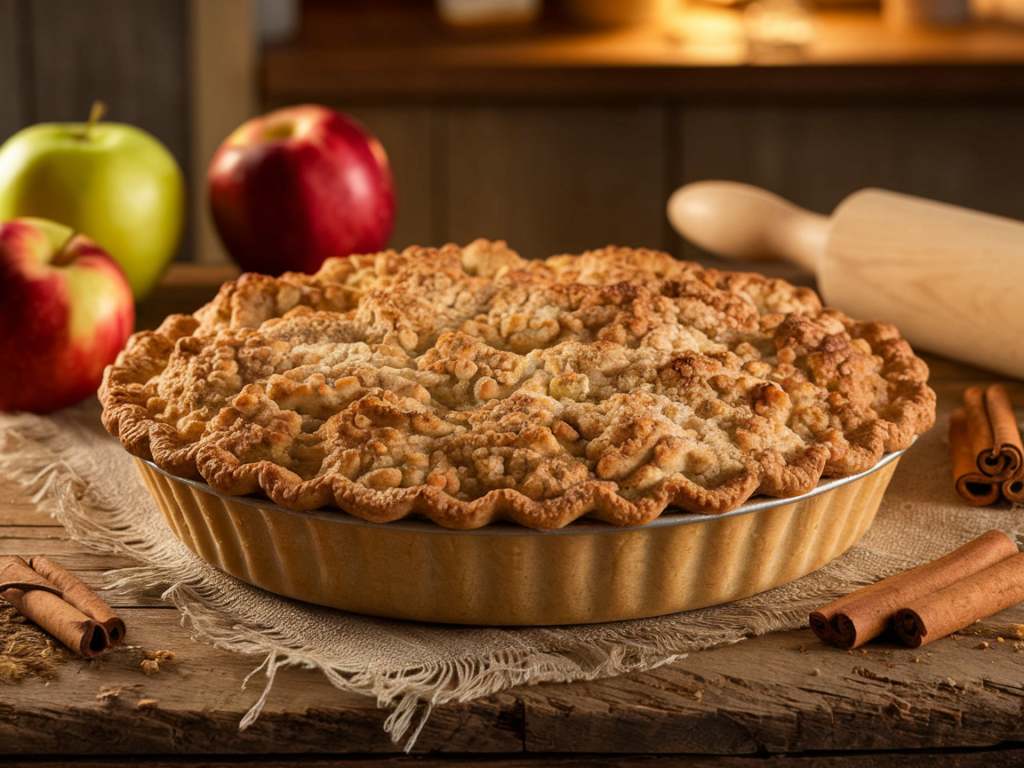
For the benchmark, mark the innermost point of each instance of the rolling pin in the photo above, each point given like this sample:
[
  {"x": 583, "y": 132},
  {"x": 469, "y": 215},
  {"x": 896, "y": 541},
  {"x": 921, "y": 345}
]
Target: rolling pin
[{"x": 950, "y": 279}]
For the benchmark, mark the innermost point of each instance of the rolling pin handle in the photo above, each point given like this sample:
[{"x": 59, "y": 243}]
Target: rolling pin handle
[{"x": 739, "y": 221}]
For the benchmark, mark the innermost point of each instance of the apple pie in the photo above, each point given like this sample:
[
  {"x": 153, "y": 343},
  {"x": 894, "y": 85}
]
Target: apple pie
[{"x": 468, "y": 385}]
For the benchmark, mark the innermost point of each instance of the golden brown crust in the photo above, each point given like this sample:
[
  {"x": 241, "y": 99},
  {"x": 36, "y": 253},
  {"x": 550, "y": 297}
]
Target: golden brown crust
[{"x": 468, "y": 385}]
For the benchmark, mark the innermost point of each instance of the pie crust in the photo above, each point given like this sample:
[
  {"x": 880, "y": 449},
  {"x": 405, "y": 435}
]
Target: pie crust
[{"x": 470, "y": 385}]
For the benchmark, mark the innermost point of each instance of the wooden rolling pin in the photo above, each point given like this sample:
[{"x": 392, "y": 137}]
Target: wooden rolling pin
[{"x": 951, "y": 279}]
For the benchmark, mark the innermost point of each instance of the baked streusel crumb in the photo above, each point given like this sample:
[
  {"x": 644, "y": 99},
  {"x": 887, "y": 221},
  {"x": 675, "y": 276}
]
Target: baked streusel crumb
[{"x": 470, "y": 385}]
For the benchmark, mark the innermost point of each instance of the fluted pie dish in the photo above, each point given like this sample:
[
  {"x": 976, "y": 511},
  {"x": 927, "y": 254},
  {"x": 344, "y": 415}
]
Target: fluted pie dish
[{"x": 435, "y": 396}]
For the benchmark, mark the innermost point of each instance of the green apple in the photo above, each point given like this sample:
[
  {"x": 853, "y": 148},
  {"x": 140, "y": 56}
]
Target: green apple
[{"x": 112, "y": 182}]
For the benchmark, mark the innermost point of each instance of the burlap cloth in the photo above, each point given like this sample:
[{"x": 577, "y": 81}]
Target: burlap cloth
[{"x": 66, "y": 465}]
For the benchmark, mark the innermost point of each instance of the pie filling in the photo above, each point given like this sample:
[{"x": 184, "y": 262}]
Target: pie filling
[{"x": 469, "y": 385}]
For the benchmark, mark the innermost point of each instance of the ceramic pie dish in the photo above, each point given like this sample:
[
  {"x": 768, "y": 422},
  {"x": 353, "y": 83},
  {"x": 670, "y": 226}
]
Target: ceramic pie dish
[
  {"x": 459, "y": 434},
  {"x": 507, "y": 575}
]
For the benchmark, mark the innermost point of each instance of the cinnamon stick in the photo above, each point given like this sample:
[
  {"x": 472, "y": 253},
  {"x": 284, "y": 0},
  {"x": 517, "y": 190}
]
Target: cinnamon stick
[
  {"x": 1014, "y": 490},
  {"x": 1004, "y": 457},
  {"x": 972, "y": 485},
  {"x": 979, "y": 429},
  {"x": 15, "y": 573},
  {"x": 39, "y": 600},
  {"x": 947, "y": 610},
  {"x": 987, "y": 452},
  {"x": 819, "y": 621},
  {"x": 81, "y": 597},
  {"x": 865, "y": 614}
]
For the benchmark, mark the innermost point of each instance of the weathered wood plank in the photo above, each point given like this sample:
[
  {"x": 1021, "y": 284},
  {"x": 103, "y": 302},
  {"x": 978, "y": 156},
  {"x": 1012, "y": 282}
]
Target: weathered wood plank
[
  {"x": 977, "y": 759},
  {"x": 763, "y": 696},
  {"x": 34, "y": 533},
  {"x": 18, "y": 516},
  {"x": 15, "y": 74},
  {"x": 200, "y": 701},
  {"x": 755, "y": 697},
  {"x": 69, "y": 554}
]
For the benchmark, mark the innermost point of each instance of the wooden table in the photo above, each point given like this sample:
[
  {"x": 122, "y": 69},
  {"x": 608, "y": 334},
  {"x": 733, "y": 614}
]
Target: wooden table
[{"x": 786, "y": 694}]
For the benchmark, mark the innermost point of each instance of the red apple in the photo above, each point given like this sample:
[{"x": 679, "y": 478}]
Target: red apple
[
  {"x": 296, "y": 186},
  {"x": 66, "y": 310}
]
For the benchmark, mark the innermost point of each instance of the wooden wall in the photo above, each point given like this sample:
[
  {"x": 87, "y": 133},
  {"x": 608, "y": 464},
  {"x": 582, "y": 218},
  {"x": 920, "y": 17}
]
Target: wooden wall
[
  {"x": 184, "y": 70},
  {"x": 58, "y": 56},
  {"x": 547, "y": 175},
  {"x": 564, "y": 177}
]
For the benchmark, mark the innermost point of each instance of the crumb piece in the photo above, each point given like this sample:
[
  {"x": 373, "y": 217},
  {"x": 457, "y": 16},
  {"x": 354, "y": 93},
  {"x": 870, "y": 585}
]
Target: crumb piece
[
  {"x": 698, "y": 695},
  {"x": 955, "y": 636},
  {"x": 153, "y": 659},
  {"x": 863, "y": 650},
  {"x": 108, "y": 693},
  {"x": 147, "y": 704},
  {"x": 890, "y": 666},
  {"x": 917, "y": 660},
  {"x": 1017, "y": 630},
  {"x": 803, "y": 649},
  {"x": 815, "y": 672},
  {"x": 1000, "y": 640},
  {"x": 850, "y": 652},
  {"x": 982, "y": 646}
]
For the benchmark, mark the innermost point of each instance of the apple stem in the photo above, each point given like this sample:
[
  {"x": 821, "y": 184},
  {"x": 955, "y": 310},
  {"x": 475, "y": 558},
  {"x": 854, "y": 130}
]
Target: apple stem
[
  {"x": 99, "y": 109},
  {"x": 62, "y": 257}
]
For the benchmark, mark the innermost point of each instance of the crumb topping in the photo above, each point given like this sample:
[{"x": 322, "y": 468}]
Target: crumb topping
[{"x": 471, "y": 385}]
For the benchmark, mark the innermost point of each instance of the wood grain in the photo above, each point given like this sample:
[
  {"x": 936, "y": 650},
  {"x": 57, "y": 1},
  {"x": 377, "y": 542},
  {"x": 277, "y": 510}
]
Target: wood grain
[
  {"x": 734, "y": 699},
  {"x": 937, "y": 272},
  {"x": 15, "y": 77},
  {"x": 554, "y": 180},
  {"x": 129, "y": 54},
  {"x": 815, "y": 155},
  {"x": 200, "y": 701},
  {"x": 995, "y": 758}
]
